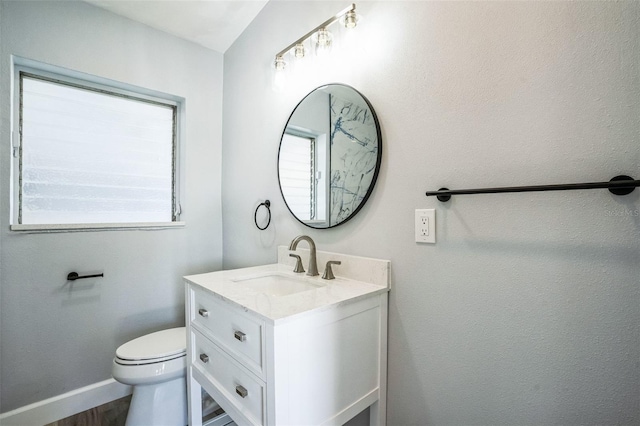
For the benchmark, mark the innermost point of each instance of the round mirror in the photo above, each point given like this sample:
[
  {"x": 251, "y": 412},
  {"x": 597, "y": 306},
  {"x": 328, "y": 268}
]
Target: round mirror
[{"x": 329, "y": 156}]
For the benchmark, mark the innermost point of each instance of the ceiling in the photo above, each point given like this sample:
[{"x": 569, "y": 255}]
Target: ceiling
[{"x": 214, "y": 24}]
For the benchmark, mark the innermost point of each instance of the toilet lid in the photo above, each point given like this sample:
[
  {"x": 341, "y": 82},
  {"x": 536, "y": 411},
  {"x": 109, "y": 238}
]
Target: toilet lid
[{"x": 161, "y": 344}]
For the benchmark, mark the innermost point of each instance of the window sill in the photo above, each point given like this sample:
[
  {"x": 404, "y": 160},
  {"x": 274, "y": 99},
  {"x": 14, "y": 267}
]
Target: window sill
[{"x": 89, "y": 227}]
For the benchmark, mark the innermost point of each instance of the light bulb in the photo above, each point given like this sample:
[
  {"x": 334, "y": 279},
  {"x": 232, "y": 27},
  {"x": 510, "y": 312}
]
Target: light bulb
[
  {"x": 279, "y": 74},
  {"x": 323, "y": 40},
  {"x": 298, "y": 51},
  {"x": 279, "y": 64},
  {"x": 350, "y": 19}
]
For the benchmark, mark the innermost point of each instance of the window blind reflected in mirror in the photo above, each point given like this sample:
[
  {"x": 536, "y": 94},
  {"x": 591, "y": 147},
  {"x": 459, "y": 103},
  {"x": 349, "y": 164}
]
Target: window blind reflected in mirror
[{"x": 296, "y": 174}]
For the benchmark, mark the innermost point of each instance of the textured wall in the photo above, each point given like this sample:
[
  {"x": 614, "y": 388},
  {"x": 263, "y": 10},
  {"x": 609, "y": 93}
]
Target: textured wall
[
  {"x": 527, "y": 309},
  {"x": 58, "y": 337}
]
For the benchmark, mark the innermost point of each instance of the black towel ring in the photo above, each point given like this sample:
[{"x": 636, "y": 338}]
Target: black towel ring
[{"x": 267, "y": 204}]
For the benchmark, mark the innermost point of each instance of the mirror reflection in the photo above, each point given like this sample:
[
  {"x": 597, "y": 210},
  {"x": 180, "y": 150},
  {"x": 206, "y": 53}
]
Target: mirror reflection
[{"x": 329, "y": 156}]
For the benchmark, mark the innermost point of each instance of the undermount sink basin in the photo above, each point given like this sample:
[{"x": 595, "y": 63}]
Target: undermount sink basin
[{"x": 276, "y": 284}]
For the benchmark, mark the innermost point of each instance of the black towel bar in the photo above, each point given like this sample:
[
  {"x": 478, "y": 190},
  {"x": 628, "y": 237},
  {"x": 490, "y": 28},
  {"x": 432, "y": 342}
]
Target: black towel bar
[
  {"x": 619, "y": 185},
  {"x": 74, "y": 276}
]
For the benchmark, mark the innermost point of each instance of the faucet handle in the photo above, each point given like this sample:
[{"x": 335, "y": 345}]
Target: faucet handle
[
  {"x": 328, "y": 272},
  {"x": 299, "y": 267}
]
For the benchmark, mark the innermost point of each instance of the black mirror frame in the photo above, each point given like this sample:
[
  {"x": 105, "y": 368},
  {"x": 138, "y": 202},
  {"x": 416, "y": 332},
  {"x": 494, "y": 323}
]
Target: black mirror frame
[{"x": 378, "y": 159}]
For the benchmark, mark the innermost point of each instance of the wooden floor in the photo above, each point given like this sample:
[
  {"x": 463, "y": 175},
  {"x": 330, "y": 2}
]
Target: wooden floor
[{"x": 113, "y": 413}]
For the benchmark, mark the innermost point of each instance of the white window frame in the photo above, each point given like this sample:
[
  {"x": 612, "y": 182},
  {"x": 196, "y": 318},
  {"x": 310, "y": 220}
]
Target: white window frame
[
  {"x": 98, "y": 84},
  {"x": 317, "y": 139}
]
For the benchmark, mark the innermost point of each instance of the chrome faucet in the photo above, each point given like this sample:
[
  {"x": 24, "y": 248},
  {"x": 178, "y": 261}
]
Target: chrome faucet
[{"x": 313, "y": 265}]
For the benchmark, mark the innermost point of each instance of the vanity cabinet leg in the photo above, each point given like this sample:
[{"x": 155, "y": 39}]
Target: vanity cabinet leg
[
  {"x": 377, "y": 414},
  {"x": 195, "y": 402},
  {"x": 378, "y": 410}
]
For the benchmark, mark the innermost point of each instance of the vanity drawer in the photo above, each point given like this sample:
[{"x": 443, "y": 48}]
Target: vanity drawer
[
  {"x": 239, "y": 334},
  {"x": 238, "y": 386}
]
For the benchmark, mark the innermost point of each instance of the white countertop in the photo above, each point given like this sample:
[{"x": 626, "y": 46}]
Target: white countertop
[{"x": 322, "y": 294}]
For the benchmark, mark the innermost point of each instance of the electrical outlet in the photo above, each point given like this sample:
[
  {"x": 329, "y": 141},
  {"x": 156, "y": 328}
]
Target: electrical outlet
[{"x": 425, "y": 226}]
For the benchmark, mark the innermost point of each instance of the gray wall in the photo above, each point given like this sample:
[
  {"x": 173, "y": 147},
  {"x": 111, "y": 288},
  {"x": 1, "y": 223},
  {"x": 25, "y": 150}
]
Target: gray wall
[
  {"x": 527, "y": 308},
  {"x": 57, "y": 337}
]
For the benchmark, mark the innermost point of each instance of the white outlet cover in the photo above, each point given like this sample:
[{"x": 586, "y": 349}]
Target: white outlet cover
[{"x": 425, "y": 226}]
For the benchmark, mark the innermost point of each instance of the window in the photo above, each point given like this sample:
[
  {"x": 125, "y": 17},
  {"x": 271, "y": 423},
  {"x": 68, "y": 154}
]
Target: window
[
  {"x": 302, "y": 174},
  {"x": 297, "y": 170},
  {"x": 89, "y": 154}
]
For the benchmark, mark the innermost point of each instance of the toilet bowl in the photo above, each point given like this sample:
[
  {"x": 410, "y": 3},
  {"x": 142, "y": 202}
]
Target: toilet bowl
[{"x": 155, "y": 365}]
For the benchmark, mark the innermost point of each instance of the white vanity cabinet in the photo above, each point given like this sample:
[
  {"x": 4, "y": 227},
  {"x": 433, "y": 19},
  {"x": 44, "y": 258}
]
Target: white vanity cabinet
[{"x": 312, "y": 357}]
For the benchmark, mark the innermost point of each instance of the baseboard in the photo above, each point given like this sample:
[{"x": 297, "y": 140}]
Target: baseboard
[{"x": 65, "y": 405}]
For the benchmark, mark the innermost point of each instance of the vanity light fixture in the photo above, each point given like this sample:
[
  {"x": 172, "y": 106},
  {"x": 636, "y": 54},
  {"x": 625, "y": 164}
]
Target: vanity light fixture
[{"x": 321, "y": 38}]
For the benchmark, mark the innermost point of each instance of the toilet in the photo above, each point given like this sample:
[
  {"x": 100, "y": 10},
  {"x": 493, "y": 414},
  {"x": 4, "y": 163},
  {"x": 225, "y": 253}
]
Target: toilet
[{"x": 155, "y": 365}]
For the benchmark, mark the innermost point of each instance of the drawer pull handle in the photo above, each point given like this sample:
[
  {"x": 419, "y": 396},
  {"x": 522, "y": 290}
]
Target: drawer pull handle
[
  {"x": 204, "y": 358},
  {"x": 240, "y": 336},
  {"x": 240, "y": 390},
  {"x": 203, "y": 312}
]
